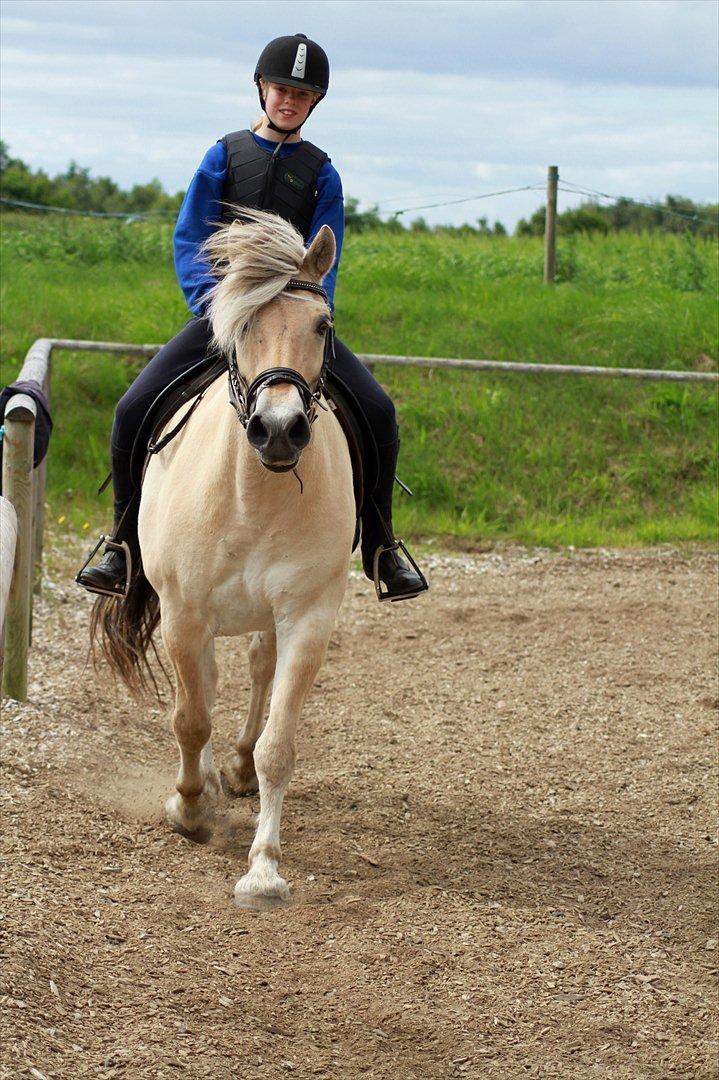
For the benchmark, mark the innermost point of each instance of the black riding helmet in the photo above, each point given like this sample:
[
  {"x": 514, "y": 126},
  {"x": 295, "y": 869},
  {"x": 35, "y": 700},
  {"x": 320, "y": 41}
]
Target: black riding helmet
[{"x": 293, "y": 60}]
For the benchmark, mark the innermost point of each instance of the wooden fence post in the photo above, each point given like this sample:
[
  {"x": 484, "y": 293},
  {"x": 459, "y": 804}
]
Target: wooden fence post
[
  {"x": 550, "y": 225},
  {"x": 18, "y": 446}
]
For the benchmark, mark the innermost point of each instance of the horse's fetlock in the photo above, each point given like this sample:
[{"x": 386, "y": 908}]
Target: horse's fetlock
[
  {"x": 266, "y": 851},
  {"x": 192, "y": 817},
  {"x": 189, "y": 789}
]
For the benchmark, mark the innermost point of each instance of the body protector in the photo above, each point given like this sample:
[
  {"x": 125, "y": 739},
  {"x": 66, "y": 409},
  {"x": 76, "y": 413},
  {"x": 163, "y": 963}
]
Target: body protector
[{"x": 264, "y": 181}]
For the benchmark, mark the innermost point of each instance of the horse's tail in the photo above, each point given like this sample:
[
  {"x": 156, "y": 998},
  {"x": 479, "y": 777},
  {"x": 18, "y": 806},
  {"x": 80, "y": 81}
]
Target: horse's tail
[{"x": 121, "y": 630}]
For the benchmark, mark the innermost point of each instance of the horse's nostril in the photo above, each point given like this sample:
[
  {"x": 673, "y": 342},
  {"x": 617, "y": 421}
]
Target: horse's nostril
[
  {"x": 257, "y": 433},
  {"x": 298, "y": 434}
]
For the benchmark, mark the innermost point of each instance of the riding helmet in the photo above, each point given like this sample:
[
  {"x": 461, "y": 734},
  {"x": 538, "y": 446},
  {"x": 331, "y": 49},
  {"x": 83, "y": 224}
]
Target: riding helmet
[{"x": 294, "y": 60}]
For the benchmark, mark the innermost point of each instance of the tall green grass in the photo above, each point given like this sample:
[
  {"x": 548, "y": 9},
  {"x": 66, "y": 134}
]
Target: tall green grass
[{"x": 544, "y": 460}]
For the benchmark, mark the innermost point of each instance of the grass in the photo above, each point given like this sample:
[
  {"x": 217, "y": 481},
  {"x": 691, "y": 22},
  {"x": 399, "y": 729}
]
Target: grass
[{"x": 542, "y": 460}]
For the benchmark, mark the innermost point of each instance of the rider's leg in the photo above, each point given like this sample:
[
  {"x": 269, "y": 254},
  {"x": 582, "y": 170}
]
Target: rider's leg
[
  {"x": 178, "y": 355},
  {"x": 400, "y": 580}
]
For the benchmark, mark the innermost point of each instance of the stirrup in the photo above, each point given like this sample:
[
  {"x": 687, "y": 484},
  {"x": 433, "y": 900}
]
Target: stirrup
[
  {"x": 397, "y": 545},
  {"x": 112, "y": 545}
]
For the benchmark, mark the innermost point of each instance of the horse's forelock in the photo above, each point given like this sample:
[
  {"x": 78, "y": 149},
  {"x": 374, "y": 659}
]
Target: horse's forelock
[{"x": 253, "y": 259}]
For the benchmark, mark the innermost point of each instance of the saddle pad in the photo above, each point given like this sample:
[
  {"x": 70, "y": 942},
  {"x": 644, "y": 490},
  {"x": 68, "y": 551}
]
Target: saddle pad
[{"x": 176, "y": 394}]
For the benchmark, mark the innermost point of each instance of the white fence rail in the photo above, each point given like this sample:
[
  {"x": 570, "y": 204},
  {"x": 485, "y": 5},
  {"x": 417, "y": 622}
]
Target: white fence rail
[
  {"x": 513, "y": 367},
  {"x": 24, "y": 486}
]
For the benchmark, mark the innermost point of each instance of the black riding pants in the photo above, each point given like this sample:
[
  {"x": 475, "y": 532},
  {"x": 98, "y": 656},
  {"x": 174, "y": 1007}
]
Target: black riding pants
[{"x": 189, "y": 347}]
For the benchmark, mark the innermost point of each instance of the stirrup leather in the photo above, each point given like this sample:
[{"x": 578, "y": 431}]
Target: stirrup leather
[
  {"x": 397, "y": 545},
  {"x": 112, "y": 545}
]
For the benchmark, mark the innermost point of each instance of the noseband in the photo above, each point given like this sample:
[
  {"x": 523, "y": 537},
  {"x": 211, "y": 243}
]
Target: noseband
[{"x": 243, "y": 395}]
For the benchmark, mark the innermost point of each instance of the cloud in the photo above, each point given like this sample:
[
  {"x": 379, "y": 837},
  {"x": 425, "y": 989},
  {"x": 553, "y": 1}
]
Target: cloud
[
  {"x": 452, "y": 99},
  {"x": 672, "y": 42}
]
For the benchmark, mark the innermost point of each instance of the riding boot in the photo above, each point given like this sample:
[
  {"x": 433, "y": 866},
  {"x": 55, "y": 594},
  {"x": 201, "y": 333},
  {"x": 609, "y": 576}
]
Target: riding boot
[
  {"x": 112, "y": 574},
  {"x": 401, "y": 577}
]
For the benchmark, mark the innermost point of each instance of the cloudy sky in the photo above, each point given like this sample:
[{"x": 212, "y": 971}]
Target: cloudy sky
[{"x": 430, "y": 100}]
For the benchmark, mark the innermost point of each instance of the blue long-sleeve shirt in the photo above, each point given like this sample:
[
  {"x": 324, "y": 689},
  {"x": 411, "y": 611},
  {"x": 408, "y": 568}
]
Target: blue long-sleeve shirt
[{"x": 201, "y": 210}]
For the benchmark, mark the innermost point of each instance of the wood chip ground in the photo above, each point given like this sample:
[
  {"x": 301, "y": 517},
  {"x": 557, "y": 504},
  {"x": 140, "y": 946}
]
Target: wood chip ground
[{"x": 500, "y": 837}]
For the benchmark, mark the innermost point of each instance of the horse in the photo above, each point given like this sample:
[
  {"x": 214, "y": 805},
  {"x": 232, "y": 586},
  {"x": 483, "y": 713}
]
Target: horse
[{"x": 246, "y": 527}]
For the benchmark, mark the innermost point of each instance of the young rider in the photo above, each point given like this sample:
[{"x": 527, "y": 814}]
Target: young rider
[{"x": 269, "y": 168}]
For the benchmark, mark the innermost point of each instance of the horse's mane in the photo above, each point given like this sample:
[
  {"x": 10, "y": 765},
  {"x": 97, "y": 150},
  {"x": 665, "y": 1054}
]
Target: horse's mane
[{"x": 253, "y": 258}]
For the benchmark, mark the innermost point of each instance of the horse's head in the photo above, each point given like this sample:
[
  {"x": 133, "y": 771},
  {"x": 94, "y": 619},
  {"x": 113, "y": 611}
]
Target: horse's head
[{"x": 272, "y": 320}]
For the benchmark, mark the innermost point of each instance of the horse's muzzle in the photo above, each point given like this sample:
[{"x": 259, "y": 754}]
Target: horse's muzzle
[{"x": 278, "y": 440}]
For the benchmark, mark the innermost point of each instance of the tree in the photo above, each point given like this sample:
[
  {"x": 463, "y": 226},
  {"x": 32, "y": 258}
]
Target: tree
[
  {"x": 675, "y": 214},
  {"x": 76, "y": 189}
]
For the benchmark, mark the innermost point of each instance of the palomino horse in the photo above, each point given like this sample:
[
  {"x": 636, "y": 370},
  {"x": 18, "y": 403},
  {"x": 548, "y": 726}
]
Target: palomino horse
[{"x": 234, "y": 540}]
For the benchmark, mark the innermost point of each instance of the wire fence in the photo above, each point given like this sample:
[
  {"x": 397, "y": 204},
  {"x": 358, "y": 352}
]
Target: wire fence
[
  {"x": 568, "y": 187},
  {"x": 127, "y": 215}
]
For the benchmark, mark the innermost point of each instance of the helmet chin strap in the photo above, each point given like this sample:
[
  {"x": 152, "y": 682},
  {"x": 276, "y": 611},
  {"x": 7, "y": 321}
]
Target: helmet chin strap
[{"x": 282, "y": 131}]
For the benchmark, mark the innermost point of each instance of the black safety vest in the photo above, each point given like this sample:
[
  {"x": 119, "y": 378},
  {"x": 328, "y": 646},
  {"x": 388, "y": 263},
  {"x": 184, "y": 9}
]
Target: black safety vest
[{"x": 287, "y": 186}]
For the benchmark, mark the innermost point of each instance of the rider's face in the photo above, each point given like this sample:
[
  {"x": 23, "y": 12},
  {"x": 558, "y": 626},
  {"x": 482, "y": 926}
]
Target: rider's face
[{"x": 287, "y": 106}]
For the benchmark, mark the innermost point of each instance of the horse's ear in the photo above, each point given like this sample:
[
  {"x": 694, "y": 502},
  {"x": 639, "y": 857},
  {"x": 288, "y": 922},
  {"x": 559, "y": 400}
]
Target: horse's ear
[{"x": 320, "y": 255}]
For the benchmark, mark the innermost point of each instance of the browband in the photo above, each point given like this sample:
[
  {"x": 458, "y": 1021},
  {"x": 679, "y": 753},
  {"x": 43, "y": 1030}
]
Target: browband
[{"x": 309, "y": 285}]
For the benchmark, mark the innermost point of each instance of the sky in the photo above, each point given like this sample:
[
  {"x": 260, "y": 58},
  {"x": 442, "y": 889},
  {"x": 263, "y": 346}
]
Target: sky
[{"x": 430, "y": 100}]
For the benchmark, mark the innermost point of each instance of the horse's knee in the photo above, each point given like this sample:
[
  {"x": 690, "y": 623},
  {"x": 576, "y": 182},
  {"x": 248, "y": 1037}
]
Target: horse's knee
[
  {"x": 192, "y": 728},
  {"x": 275, "y": 758}
]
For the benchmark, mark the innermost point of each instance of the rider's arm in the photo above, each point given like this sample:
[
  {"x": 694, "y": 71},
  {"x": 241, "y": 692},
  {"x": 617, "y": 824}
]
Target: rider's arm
[
  {"x": 329, "y": 211},
  {"x": 199, "y": 215}
]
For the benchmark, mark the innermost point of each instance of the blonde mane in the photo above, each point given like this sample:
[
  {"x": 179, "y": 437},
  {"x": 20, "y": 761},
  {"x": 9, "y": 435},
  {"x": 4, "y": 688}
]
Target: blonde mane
[{"x": 253, "y": 259}]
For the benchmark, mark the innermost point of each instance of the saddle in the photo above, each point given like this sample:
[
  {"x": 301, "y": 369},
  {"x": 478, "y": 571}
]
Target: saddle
[{"x": 192, "y": 385}]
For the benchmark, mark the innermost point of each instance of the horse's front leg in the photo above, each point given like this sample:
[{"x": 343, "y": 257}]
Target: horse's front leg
[
  {"x": 300, "y": 651},
  {"x": 191, "y": 650},
  {"x": 240, "y": 770}
]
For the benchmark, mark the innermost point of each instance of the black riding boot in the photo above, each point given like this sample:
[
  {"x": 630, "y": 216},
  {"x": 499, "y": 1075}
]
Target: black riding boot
[
  {"x": 401, "y": 577},
  {"x": 110, "y": 576}
]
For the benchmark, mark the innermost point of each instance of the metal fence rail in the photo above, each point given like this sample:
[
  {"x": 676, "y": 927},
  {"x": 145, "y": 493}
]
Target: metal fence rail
[
  {"x": 659, "y": 374},
  {"x": 24, "y": 486}
]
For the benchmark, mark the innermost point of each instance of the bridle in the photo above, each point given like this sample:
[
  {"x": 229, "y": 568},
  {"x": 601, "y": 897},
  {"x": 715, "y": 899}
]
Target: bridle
[{"x": 243, "y": 395}]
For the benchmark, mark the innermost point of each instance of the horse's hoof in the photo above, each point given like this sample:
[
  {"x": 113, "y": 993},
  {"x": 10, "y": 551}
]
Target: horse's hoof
[
  {"x": 198, "y": 836},
  {"x": 261, "y": 890},
  {"x": 189, "y": 821},
  {"x": 238, "y": 782},
  {"x": 257, "y": 901}
]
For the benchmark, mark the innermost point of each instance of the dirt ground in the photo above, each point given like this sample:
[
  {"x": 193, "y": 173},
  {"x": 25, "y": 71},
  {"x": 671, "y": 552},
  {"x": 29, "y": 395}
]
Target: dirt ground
[{"x": 500, "y": 837}]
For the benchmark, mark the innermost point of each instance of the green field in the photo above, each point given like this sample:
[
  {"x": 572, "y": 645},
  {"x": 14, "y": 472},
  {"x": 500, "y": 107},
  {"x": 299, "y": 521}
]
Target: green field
[{"x": 542, "y": 460}]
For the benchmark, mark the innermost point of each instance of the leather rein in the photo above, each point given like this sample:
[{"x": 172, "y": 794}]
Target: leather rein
[{"x": 243, "y": 395}]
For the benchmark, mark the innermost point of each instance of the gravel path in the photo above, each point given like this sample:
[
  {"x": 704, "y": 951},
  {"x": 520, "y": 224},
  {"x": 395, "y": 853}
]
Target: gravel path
[{"x": 500, "y": 836}]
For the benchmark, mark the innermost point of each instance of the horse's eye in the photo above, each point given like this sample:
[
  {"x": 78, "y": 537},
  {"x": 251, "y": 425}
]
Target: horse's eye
[{"x": 323, "y": 328}]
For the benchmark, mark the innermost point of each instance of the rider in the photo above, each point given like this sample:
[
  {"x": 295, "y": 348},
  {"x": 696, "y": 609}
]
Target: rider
[{"x": 252, "y": 168}]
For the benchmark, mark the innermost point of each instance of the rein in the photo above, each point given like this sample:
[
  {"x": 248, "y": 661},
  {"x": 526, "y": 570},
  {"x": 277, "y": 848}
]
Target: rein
[{"x": 243, "y": 395}]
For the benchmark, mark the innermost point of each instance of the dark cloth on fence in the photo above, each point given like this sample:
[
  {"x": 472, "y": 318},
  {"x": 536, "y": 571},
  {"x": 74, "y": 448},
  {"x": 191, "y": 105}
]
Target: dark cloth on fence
[
  {"x": 43, "y": 419},
  {"x": 188, "y": 348}
]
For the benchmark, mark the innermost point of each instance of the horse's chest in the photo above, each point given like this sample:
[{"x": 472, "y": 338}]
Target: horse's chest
[{"x": 240, "y": 604}]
